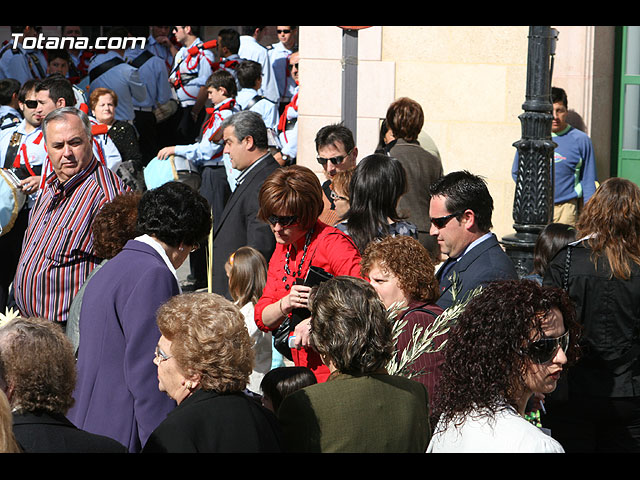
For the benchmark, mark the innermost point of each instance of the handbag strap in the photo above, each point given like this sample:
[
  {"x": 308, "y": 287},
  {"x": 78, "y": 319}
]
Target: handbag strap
[{"x": 567, "y": 265}]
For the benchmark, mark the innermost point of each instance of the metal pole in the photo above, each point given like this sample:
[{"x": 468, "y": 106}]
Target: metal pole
[
  {"x": 350, "y": 80},
  {"x": 533, "y": 199}
]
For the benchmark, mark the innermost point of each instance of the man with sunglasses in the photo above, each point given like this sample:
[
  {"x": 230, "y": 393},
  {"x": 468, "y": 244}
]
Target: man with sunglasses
[
  {"x": 337, "y": 152},
  {"x": 21, "y": 150},
  {"x": 279, "y": 56},
  {"x": 460, "y": 211}
]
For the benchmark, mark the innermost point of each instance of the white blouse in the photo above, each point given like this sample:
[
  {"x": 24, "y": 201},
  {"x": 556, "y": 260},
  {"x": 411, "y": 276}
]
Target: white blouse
[
  {"x": 506, "y": 432},
  {"x": 261, "y": 347}
]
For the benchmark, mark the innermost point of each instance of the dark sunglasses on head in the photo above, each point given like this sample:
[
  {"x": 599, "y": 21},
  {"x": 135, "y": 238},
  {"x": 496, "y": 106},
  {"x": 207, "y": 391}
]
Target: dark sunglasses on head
[
  {"x": 283, "y": 31},
  {"x": 31, "y": 103},
  {"x": 335, "y": 160},
  {"x": 543, "y": 350},
  {"x": 440, "y": 222},
  {"x": 284, "y": 221}
]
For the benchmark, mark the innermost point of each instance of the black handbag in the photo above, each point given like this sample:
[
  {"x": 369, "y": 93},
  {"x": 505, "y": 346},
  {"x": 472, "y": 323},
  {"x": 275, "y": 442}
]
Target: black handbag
[{"x": 315, "y": 276}]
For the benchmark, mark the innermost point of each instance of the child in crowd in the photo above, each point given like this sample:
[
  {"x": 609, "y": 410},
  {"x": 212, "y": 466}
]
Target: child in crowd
[
  {"x": 247, "y": 272},
  {"x": 283, "y": 381}
]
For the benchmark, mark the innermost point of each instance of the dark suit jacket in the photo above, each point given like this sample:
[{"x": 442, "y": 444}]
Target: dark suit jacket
[
  {"x": 49, "y": 433},
  {"x": 239, "y": 226},
  {"x": 375, "y": 413},
  {"x": 482, "y": 264},
  {"x": 209, "y": 422}
]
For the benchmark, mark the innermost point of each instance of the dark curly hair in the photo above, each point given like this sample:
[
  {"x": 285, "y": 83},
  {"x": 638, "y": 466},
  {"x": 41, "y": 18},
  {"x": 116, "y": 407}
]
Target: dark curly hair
[
  {"x": 175, "y": 214},
  {"x": 484, "y": 359},
  {"x": 115, "y": 224}
]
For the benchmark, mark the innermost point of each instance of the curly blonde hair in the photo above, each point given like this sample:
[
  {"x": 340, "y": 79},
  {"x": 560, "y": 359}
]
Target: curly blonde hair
[{"x": 209, "y": 339}]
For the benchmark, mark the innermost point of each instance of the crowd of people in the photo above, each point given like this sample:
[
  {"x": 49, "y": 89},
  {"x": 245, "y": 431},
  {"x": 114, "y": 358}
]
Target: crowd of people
[{"x": 303, "y": 294}]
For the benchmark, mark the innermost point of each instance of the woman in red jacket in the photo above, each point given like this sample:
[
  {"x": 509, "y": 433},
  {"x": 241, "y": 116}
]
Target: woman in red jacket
[{"x": 291, "y": 202}]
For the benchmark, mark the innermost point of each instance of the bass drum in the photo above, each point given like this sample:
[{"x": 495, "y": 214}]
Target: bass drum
[
  {"x": 174, "y": 168},
  {"x": 12, "y": 200}
]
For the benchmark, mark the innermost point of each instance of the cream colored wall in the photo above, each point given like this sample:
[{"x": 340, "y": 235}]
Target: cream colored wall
[
  {"x": 470, "y": 82},
  {"x": 584, "y": 66}
]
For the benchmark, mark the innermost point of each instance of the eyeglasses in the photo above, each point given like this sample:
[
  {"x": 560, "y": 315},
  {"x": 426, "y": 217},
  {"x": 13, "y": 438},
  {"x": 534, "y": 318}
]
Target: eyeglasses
[
  {"x": 440, "y": 222},
  {"x": 543, "y": 350},
  {"x": 335, "y": 160},
  {"x": 160, "y": 356},
  {"x": 291, "y": 65},
  {"x": 335, "y": 196},
  {"x": 31, "y": 103},
  {"x": 284, "y": 221},
  {"x": 283, "y": 31}
]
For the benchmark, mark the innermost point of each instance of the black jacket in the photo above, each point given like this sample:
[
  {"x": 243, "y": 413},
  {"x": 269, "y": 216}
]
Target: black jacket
[
  {"x": 51, "y": 433},
  {"x": 209, "y": 422},
  {"x": 609, "y": 311}
]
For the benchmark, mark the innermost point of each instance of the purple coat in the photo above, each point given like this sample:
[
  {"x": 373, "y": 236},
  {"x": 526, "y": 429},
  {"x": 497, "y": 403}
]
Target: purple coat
[{"x": 117, "y": 392}]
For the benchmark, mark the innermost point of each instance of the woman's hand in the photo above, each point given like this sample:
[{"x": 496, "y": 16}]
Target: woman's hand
[
  {"x": 298, "y": 298},
  {"x": 302, "y": 334}
]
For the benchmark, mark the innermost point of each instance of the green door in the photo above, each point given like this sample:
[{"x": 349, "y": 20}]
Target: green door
[{"x": 628, "y": 141}]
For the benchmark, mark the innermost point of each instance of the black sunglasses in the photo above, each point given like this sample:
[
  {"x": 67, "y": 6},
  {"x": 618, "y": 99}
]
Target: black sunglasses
[
  {"x": 31, "y": 103},
  {"x": 284, "y": 221},
  {"x": 283, "y": 31},
  {"x": 335, "y": 160},
  {"x": 291, "y": 65},
  {"x": 543, "y": 350},
  {"x": 440, "y": 222}
]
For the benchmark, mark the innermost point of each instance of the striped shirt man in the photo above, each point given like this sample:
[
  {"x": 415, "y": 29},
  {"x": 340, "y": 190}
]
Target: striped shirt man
[{"x": 57, "y": 252}]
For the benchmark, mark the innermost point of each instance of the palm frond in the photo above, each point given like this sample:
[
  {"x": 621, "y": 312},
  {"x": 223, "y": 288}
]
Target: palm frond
[{"x": 423, "y": 339}]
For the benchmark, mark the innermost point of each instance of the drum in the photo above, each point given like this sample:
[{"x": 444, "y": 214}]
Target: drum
[
  {"x": 12, "y": 200},
  {"x": 174, "y": 168}
]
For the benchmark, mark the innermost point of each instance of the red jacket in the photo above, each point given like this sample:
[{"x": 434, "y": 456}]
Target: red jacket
[{"x": 329, "y": 249}]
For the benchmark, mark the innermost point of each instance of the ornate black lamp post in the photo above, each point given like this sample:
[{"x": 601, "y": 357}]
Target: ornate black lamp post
[{"x": 533, "y": 199}]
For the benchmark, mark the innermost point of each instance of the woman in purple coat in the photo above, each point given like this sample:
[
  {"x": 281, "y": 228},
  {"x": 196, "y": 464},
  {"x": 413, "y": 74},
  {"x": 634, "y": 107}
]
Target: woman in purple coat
[{"x": 117, "y": 390}]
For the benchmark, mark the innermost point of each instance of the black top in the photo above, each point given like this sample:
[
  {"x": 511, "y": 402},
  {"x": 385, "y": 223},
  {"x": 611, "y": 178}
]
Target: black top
[
  {"x": 209, "y": 422},
  {"x": 53, "y": 433},
  {"x": 608, "y": 310}
]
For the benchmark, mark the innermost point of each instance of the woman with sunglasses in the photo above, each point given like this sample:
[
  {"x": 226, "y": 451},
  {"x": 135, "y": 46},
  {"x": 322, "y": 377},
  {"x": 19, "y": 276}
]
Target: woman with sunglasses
[
  {"x": 291, "y": 202},
  {"x": 599, "y": 410},
  {"x": 513, "y": 340}
]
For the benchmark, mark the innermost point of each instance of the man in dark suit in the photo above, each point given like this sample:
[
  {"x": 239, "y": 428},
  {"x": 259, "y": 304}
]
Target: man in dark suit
[
  {"x": 460, "y": 211},
  {"x": 245, "y": 140}
]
